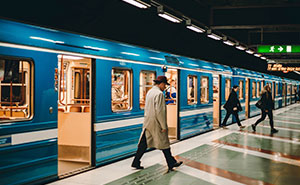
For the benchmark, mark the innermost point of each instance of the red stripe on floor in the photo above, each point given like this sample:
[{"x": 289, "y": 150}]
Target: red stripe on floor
[
  {"x": 258, "y": 149},
  {"x": 220, "y": 172}
]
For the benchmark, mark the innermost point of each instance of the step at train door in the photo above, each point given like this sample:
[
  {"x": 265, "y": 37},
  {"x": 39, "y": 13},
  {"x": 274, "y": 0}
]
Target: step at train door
[
  {"x": 247, "y": 98},
  {"x": 74, "y": 114}
]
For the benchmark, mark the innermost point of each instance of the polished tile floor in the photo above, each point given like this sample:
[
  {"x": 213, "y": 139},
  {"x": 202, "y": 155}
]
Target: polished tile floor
[{"x": 224, "y": 156}]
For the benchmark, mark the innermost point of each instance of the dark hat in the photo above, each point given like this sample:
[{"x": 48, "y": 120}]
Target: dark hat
[
  {"x": 235, "y": 86},
  {"x": 161, "y": 79}
]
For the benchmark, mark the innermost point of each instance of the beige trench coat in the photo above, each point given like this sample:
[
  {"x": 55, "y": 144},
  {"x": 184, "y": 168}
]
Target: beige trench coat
[{"x": 155, "y": 119}]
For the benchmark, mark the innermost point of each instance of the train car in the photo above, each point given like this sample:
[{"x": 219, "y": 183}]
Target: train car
[{"x": 71, "y": 102}]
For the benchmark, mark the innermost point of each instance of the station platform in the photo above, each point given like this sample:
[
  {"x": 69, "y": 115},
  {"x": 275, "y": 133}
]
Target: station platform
[{"x": 223, "y": 156}]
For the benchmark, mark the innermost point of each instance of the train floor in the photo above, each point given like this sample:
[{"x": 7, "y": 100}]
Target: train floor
[{"x": 223, "y": 156}]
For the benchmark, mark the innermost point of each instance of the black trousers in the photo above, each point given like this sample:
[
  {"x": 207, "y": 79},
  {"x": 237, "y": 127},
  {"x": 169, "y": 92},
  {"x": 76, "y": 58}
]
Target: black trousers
[
  {"x": 236, "y": 115},
  {"x": 142, "y": 146},
  {"x": 263, "y": 116}
]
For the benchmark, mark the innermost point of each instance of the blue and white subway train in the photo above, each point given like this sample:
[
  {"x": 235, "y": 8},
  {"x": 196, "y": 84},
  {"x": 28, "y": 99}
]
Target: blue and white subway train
[{"x": 71, "y": 102}]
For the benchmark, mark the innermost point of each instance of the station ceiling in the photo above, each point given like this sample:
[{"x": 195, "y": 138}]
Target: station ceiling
[{"x": 248, "y": 22}]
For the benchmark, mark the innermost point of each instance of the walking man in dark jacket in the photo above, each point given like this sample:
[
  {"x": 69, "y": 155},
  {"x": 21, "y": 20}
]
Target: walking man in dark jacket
[
  {"x": 233, "y": 106},
  {"x": 267, "y": 107}
]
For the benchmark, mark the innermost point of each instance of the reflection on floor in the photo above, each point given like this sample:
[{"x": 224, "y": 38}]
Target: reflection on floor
[{"x": 224, "y": 156}]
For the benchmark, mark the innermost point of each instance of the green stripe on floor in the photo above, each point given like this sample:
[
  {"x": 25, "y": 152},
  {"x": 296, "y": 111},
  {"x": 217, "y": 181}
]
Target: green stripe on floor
[
  {"x": 263, "y": 143},
  {"x": 282, "y": 133},
  {"x": 156, "y": 175},
  {"x": 245, "y": 164}
]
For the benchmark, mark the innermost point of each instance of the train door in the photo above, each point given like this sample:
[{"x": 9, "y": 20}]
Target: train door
[
  {"x": 172, "y": 104},
  {"x": 283, "y": 94},
  {"x": 216, "y": 100},
  {"x": 74, "y": 114},
  {"x": 247, "y": 98}
]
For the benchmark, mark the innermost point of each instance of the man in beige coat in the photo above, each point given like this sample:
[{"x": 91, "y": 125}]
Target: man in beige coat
[{"x": 155, "y": 128}]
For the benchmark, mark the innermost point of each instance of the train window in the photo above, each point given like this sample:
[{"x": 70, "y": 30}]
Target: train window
[
  {"x": 241, "y": 91},
  {"x": 289, "y": 89},
  {"x": 204, "y": 90},
  {"x": 257, "y": 89},
  {"x": 121, "y": 90},
  {"x": 16, "y": 89},
  {"x": 81, "y": 85},
  {"x": 74, "y": 84},
  {"x": 192, "y": 89},
  {"x": 146, "y": 83},
  {"x": 227, "y": 88},
  {"x": 294, "y": 89},
  {"x": 253, "y": 89}
]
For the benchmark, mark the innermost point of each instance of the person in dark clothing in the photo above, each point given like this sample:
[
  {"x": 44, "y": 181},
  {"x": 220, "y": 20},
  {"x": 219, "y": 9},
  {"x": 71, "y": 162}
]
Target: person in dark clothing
[
  {"x": 298, "y": 94},
  {"x": 232, "y": 106},
  {"x": 155, "y": 127},
  {"x": 266, "y": 109}
]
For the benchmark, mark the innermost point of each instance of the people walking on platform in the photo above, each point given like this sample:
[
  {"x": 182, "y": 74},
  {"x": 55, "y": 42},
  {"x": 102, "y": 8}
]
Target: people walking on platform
[
  {"x": 155, "y": 128},
  {"x": 233, "y": 106},
  {"x": 267, "y": 106}
]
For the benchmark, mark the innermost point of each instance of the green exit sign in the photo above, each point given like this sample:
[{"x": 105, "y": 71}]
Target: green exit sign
[{"x": 278, "y": 49}]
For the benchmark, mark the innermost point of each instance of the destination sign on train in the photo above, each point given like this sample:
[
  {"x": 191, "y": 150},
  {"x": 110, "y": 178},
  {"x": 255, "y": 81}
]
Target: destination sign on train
[
  {"x": 285, "y": 69},
  {"x": 278, "y": 49}
]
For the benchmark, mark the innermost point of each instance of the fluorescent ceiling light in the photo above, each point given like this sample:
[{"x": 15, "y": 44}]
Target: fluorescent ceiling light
[
  {"x": 47, "y": 40},
  {"x": 69, "y": 57},
  {"x": 210, "y": 34},
  {"x": 257, "y": 55},
  {"x": 264, "y": 58},
  {"x": 138, "y": 3},
  {"x": 249, "y": 51},
  {"x": 169, "y": 17},
  {"x": 228, "y": 42},
  {"x": 297, "y": 72},
  {"x": 95, "y": 48},
  {"x": 240, "y": 47},
  {"x": 133, "y": 54},
  {"x": 195, "y": 28},
  {"x": 214, "y": 36}
]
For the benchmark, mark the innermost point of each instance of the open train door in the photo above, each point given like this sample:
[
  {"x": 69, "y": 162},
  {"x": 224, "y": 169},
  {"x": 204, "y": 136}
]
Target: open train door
[
  {"x": 283, "y": 94},
  {"x": 172, "y": 104},
  {"x": 247, "y": 100},
  {"x": 216, "y": 101},
  {"x": 74, "y": 114}
]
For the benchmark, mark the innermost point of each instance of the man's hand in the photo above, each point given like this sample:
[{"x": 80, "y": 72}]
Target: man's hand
[
  {"x": 234, "y": 108},
  {"x": 163, "y": 130}
]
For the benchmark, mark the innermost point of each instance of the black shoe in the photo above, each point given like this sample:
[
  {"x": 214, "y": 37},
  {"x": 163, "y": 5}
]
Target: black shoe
[
  {"x": 273, "y": 130},
  {"x": 253, "y": 127},
  {"x": 242, "y": 126},
  {"x": 175, "y": 165},
  {"x": 224, "y": 126},
  {"x": 137, "y": 166}
]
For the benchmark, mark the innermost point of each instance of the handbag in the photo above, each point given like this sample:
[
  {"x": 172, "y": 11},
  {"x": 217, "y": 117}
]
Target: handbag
[{"x": 259, "y": 104}]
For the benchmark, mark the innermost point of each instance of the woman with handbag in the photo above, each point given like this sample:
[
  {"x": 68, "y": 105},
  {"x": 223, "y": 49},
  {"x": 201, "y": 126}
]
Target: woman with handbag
[
  {"x": 266, "y": 106},
  {"x": 232, "y": 106}
]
